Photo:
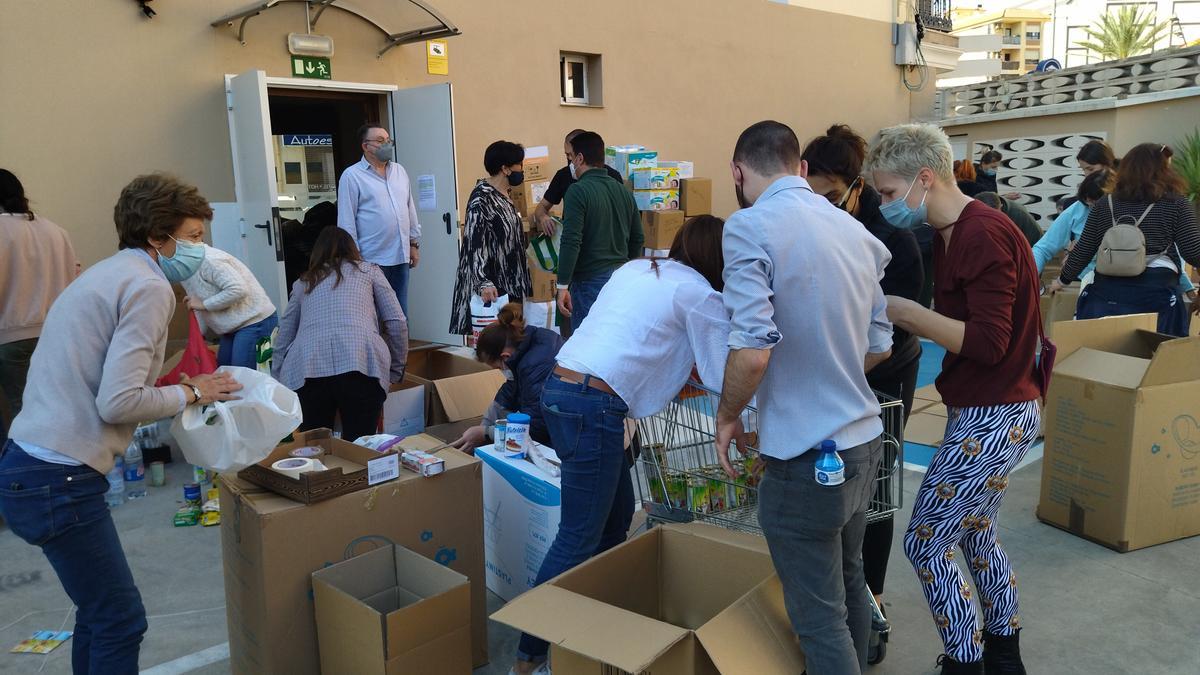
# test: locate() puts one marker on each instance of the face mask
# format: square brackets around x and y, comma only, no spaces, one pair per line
[386,152]
[508,375]
[989,172]
[846,196]
[571,168]
[516,178]
[903,216]
[184,263]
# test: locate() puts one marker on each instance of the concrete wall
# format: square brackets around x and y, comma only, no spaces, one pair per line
[96,94]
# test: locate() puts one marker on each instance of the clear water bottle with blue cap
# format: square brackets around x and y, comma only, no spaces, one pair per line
[830,468]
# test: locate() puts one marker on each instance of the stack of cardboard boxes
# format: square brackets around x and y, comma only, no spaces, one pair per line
[666,192]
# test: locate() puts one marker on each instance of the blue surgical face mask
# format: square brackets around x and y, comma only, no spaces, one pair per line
[989,172]
[184,263]
[903,216]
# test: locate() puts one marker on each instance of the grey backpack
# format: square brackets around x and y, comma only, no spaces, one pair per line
[1123,250]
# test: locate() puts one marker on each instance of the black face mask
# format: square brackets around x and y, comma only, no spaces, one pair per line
[741,197]
[516,178]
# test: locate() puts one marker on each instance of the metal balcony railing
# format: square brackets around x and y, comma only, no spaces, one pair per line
[1010,40]
[1167,70]
[936,14]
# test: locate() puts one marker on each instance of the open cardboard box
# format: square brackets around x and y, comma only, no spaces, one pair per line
[1122,454]
[455,388]
[677,599]
[392,611]
[346,468]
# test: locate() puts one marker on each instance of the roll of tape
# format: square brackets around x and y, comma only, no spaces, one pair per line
[311,452]
[292,467]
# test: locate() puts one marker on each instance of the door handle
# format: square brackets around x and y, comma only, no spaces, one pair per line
[266,226]
[446,219]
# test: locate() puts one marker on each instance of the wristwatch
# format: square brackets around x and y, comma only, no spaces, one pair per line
[195,391]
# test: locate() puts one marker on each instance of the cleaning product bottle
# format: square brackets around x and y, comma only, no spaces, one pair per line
[830,469]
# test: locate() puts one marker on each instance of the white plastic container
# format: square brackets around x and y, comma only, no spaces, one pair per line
[516,435]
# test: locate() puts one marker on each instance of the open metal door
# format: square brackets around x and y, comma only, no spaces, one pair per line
[254,179]
[423,128]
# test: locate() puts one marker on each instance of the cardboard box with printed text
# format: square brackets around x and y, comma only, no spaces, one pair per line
[455,388]
[1122,455]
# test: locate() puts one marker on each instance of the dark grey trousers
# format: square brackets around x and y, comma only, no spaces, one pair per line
[815,534]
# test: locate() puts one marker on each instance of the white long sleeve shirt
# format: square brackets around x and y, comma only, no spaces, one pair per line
[647,330]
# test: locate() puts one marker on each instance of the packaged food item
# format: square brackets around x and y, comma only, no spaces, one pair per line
[378,442]
[698,501]
[210,518]
[191,494]
[499,433]
[718,496]
[516,433]
[422,463]
[187,516]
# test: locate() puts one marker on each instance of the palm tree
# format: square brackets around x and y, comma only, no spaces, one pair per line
[1125,33]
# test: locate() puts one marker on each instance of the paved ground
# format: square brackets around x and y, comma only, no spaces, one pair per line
[1086,609]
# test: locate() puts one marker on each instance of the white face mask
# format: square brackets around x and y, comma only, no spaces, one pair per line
[571,168]
[508,374]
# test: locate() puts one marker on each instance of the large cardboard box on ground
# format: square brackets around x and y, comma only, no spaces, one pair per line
[271,545]
[1122,456]
[675,600]
[391,612]
[522,506]
[455,388]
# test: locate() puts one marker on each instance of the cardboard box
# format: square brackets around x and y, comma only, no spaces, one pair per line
[391,611]
[656,200]
[404,410]
[683,169]
[695,196]
[656,178]
[271,545]
[455,388]
[660,227]
[1122,454]
[528,195]
[1059,307]
[627,158]
[544,285]
[677,599]
[346,468]
[522,506]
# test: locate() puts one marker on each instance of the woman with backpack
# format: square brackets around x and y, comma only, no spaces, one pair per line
[1140,235]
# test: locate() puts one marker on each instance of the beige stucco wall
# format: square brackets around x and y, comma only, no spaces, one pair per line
[1166,121]
[96,94]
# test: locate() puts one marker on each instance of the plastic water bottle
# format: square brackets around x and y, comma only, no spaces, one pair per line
[135,472]
[116,485]
[830,468]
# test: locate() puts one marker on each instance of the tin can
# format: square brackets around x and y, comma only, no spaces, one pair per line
[499,435]
[158,474]
[191,494]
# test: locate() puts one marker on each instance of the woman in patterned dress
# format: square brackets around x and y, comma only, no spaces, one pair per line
[986,294]
[491,256]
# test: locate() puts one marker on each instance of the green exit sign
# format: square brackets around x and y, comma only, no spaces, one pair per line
[314,67]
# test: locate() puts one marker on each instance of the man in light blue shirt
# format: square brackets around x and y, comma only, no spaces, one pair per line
[808,320]
[375,205]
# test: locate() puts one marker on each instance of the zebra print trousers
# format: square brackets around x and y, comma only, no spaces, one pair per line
[957,507]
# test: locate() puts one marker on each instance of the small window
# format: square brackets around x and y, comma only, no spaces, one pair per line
[292,174]
[579,79]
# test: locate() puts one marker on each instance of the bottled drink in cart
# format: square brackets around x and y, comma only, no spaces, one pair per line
[830,468]
[116,484]
[135,472]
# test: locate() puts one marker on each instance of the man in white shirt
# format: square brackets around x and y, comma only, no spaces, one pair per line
[375,205]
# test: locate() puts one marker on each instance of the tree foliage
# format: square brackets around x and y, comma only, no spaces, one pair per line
[1127,32]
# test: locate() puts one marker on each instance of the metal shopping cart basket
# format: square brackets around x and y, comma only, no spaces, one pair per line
[680,480]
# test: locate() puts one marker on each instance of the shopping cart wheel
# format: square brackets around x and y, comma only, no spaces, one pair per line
[877,649]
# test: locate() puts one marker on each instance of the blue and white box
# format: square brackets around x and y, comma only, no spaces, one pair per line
[522,506]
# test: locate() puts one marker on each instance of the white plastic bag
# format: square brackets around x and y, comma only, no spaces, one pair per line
[483,314]
[229,436]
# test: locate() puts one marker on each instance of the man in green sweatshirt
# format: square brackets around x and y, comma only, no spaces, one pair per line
[602,229]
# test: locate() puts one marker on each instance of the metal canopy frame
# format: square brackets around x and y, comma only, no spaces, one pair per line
[440,26]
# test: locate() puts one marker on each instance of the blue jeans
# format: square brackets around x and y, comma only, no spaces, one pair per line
[61,509]
[1155,290]
[584,294]
[397,277]
[240,348]
[588,430]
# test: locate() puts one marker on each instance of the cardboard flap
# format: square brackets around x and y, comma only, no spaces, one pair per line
[722,535]
[754,635]
[1174,361]
[589,627]
[1105,334]
[335,610]
[1117,370]
[469,395]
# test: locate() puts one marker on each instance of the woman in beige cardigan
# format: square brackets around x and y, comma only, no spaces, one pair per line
[91,381]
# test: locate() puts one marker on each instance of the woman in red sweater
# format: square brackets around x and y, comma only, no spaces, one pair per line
[986,294]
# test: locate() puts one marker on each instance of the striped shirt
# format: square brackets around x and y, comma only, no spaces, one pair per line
[1170,229]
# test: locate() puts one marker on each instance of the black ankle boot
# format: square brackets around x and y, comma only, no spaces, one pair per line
[1002,654]
[952,667]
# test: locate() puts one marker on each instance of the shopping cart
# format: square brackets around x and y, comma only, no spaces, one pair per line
[679,478]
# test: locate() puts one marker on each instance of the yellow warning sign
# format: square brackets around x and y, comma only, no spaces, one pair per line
[436,57]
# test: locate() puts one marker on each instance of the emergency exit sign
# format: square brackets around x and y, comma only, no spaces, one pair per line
[313,67]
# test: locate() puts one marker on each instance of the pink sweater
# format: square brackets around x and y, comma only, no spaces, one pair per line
[36,264]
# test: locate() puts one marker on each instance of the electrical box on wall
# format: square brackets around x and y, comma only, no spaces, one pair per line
[907,42]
